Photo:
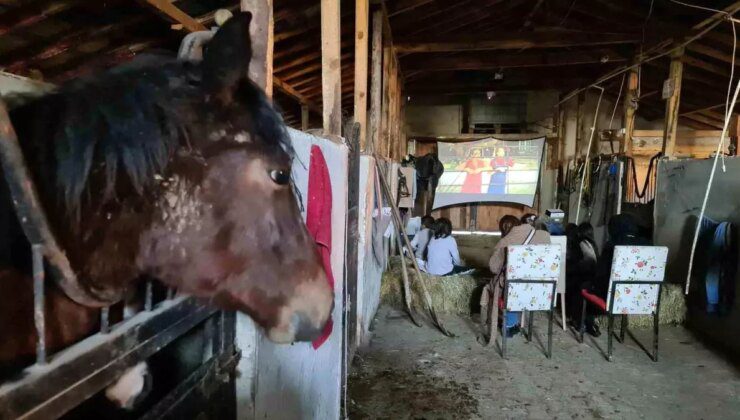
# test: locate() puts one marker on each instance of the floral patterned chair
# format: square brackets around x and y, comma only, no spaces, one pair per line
[635,283]
[532,273]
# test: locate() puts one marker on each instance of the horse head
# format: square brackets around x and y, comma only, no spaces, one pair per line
[179,171]
[227,226]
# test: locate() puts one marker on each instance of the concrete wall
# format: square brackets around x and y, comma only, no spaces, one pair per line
[296,381]
[681,188]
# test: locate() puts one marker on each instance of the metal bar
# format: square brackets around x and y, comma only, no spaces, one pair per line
[39,303]
[105,320]
[148,296]
[209,372]
[582,328]
[85,368]
[530,321]
[610,338]
[623,329]
[504,330]
[549,325]
[656,325]
[33,219]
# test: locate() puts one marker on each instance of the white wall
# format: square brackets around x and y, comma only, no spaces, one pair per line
[369,270]
[296,381]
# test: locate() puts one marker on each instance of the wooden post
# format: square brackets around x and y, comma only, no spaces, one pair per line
[384,123]
[630,97]
[579,123]
[304,117]
[673,93]
[376,83]
[361,43]
[262,32]
[331,67]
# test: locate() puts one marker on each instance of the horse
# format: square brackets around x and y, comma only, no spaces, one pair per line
[165,169]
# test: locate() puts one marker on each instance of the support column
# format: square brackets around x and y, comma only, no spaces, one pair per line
[304,117]
[385,140]
[630,104]
[361,45]
[672,92]
[331,68]
[376,83]
[262,33]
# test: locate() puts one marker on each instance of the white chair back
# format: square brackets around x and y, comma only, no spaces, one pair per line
[636,264]
[537,263]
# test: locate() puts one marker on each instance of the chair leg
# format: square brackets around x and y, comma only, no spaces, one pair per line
[623,329]
[562,309]
[503,333]
[656,327]
[549,335]
[610,339]
[529,325]
[582,328]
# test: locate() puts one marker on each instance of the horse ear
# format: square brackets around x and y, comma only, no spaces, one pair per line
[226,57]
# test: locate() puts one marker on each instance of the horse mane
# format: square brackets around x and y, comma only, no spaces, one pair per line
[128,122]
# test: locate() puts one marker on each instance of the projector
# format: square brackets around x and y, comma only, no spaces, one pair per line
[555,214]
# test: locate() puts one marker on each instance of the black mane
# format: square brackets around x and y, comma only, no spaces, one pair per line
[129,122]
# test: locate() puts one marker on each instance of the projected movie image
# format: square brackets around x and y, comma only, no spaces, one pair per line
[490,170]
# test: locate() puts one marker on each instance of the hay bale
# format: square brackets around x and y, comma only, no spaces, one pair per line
[450,294]
[672,310]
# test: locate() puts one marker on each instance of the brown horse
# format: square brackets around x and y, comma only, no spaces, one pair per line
[178,171]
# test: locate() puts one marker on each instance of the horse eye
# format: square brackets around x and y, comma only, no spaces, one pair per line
[280,177]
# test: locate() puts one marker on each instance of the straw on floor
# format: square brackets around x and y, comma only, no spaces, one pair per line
[450,294]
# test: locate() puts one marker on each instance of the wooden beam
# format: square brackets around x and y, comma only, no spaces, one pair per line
[376,82]
[704,120]
[362,9]
[711,52]
[701,64]
[709,108]
[673,103]
[477,61]
[304,117]
[403,6]
[331,63]
[302,99]
[173,13]
[512,42]
[261,31]
[630,108]
[384,123]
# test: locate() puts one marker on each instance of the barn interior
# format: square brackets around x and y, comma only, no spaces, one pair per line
[634,105]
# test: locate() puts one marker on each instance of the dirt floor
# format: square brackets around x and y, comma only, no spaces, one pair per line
[417,373]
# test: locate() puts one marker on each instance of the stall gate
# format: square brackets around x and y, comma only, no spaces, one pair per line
[189,348]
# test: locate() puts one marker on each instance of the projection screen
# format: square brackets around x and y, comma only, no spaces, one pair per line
[489,170]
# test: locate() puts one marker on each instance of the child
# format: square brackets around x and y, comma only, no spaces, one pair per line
[443,257]
[421,239]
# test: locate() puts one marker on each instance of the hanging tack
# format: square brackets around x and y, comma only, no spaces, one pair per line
[104,320]
[222,15]
[38,302]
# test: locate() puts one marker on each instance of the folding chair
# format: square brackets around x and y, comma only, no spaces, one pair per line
[634,289]
[532,273]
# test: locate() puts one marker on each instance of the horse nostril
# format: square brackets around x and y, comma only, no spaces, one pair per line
[304,328]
